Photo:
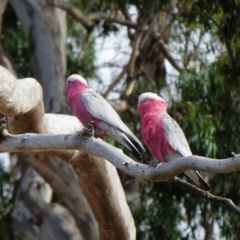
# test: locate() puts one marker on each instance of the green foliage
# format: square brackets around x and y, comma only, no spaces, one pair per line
[144,8]
[80,48]
[6,189]
[210,108]
[209,116]
[159,210]
[15,43]
[208,111]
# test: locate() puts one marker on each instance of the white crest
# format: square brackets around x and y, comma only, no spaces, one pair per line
[148,96]
[76,77]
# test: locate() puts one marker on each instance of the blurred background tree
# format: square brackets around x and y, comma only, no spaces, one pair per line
[186,51]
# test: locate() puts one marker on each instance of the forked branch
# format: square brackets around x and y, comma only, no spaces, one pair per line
[81,141]
[207,195]
[85,141]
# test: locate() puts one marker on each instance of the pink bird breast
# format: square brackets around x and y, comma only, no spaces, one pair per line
[154,106]
[153,133]
[74,89]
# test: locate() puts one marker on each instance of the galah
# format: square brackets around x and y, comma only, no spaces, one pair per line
[163,136]
[89,106]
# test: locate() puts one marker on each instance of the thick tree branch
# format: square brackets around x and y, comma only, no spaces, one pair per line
[102,192]
[62,178]
[46,29]
[33,215]
[166,172]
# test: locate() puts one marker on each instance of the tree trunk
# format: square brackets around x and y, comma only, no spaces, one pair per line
[46,29]
[103,194]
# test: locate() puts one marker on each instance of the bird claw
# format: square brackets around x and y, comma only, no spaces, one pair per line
[233,155]
[88,130]
[3,123]
[140,159]
[156,165]
[3,126]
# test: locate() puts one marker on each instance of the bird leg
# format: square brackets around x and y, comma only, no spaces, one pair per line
[3,126]
[88,130]
[155,165]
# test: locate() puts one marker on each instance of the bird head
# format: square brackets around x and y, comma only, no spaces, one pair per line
[76,83]
[151,102]
[149,96]
[75,78]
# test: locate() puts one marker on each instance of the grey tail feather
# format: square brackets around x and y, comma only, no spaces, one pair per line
[135,145]
[196,177]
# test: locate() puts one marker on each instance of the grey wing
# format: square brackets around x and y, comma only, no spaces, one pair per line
[175,136]
[101,109]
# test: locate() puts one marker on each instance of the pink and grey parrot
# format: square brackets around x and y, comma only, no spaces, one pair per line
[163,136]
[89,106]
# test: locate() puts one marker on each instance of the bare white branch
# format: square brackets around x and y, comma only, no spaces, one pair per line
[166,172]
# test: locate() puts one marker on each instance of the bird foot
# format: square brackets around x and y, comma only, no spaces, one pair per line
[156,165]
[233,155]
[88,130]
[3,126]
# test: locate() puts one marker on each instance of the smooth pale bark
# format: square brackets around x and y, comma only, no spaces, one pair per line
[46,29]
[164,172]
[32,184]
[100,182]
[30,117]
[41,219]
[114,219]
[62,178]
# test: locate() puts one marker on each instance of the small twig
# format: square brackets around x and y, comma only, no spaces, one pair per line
[132,62]
[175,16]
[128,67]
[87,20]
[116,81]
[73,11]
[168,56]
[206,195]
[111,18]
